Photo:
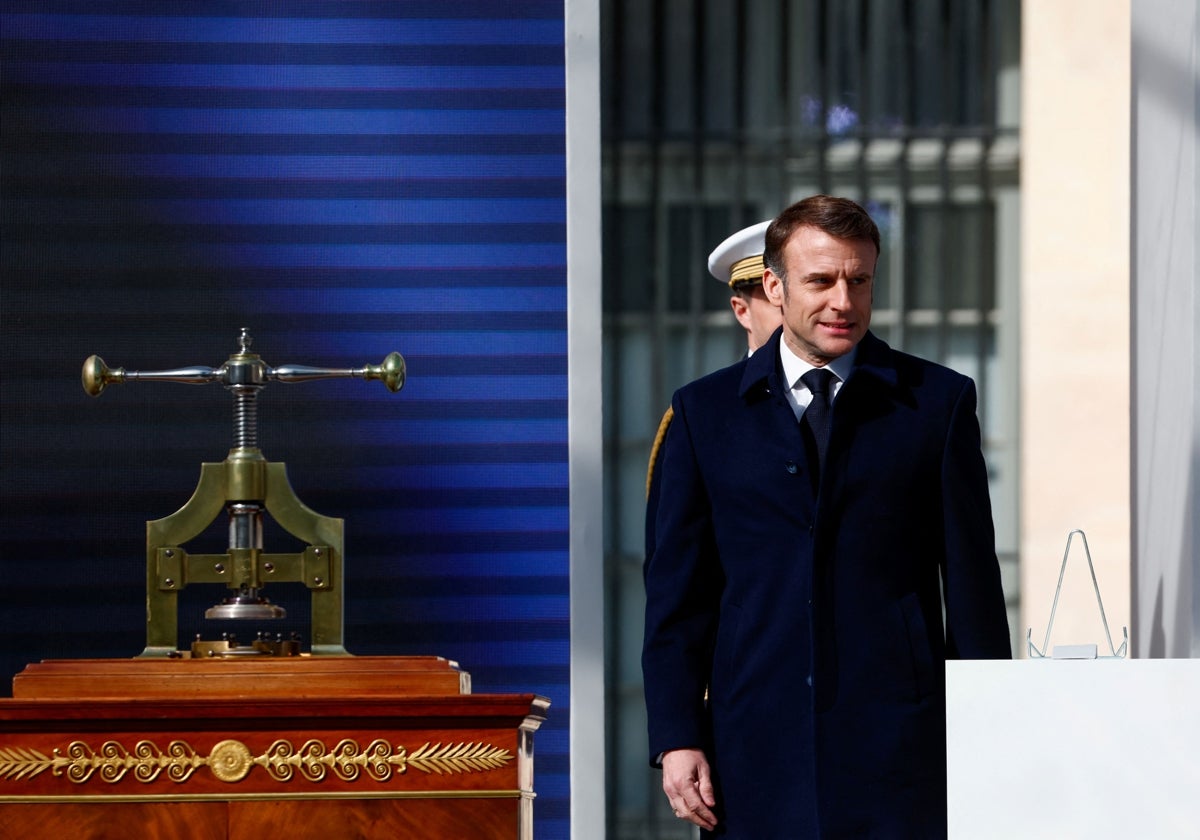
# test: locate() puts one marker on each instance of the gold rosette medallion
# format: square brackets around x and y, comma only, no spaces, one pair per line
[230,761]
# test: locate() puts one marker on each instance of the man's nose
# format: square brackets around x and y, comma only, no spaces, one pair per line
[839,296]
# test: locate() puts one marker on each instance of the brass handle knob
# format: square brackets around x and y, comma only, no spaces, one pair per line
[97,376]
[392,372]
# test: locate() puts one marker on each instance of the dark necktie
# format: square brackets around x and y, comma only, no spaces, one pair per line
[817,413]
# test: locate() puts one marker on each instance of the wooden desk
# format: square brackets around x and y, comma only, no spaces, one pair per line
[320,747]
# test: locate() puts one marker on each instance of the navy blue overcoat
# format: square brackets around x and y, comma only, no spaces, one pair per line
[796,633]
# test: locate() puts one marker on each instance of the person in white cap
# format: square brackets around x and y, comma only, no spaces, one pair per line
[738,261]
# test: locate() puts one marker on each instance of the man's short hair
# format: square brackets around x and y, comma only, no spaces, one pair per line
[839,217]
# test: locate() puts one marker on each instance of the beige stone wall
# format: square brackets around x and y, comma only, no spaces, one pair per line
[1075,314]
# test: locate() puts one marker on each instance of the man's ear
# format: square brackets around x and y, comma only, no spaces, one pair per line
[772,287]
[741,311]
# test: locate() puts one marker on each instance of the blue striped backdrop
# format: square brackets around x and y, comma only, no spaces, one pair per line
[344,179]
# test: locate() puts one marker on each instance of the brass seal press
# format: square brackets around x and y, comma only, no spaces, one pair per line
[245,485]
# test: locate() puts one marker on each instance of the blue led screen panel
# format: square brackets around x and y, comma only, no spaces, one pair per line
[344,180]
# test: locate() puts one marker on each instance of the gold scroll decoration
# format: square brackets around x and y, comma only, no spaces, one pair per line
[231,761]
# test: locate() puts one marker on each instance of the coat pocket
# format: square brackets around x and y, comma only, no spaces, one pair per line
[920,655]
[726,648]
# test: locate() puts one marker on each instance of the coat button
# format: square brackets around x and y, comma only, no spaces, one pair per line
[791,467]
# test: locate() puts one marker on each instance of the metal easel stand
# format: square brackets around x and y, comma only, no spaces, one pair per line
[1077,651]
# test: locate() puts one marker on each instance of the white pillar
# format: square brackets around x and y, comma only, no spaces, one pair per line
[1075,313]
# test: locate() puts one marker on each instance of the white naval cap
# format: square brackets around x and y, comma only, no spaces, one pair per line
[738,260]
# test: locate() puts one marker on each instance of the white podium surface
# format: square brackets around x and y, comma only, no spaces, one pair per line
[1105,748]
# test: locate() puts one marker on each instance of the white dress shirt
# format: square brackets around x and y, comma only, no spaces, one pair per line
[798,394]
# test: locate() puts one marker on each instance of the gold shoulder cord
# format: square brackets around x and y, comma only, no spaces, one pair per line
[659,437]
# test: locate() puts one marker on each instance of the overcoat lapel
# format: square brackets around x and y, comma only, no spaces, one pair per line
[867,393]
[764,394]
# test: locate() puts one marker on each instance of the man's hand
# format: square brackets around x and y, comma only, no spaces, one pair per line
[687,782]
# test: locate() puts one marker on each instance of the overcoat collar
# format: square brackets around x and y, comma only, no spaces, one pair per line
[761,373]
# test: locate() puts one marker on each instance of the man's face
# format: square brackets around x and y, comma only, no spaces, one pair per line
[757,315]
[826,299]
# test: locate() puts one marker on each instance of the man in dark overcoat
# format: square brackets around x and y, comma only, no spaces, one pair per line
[811,532]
